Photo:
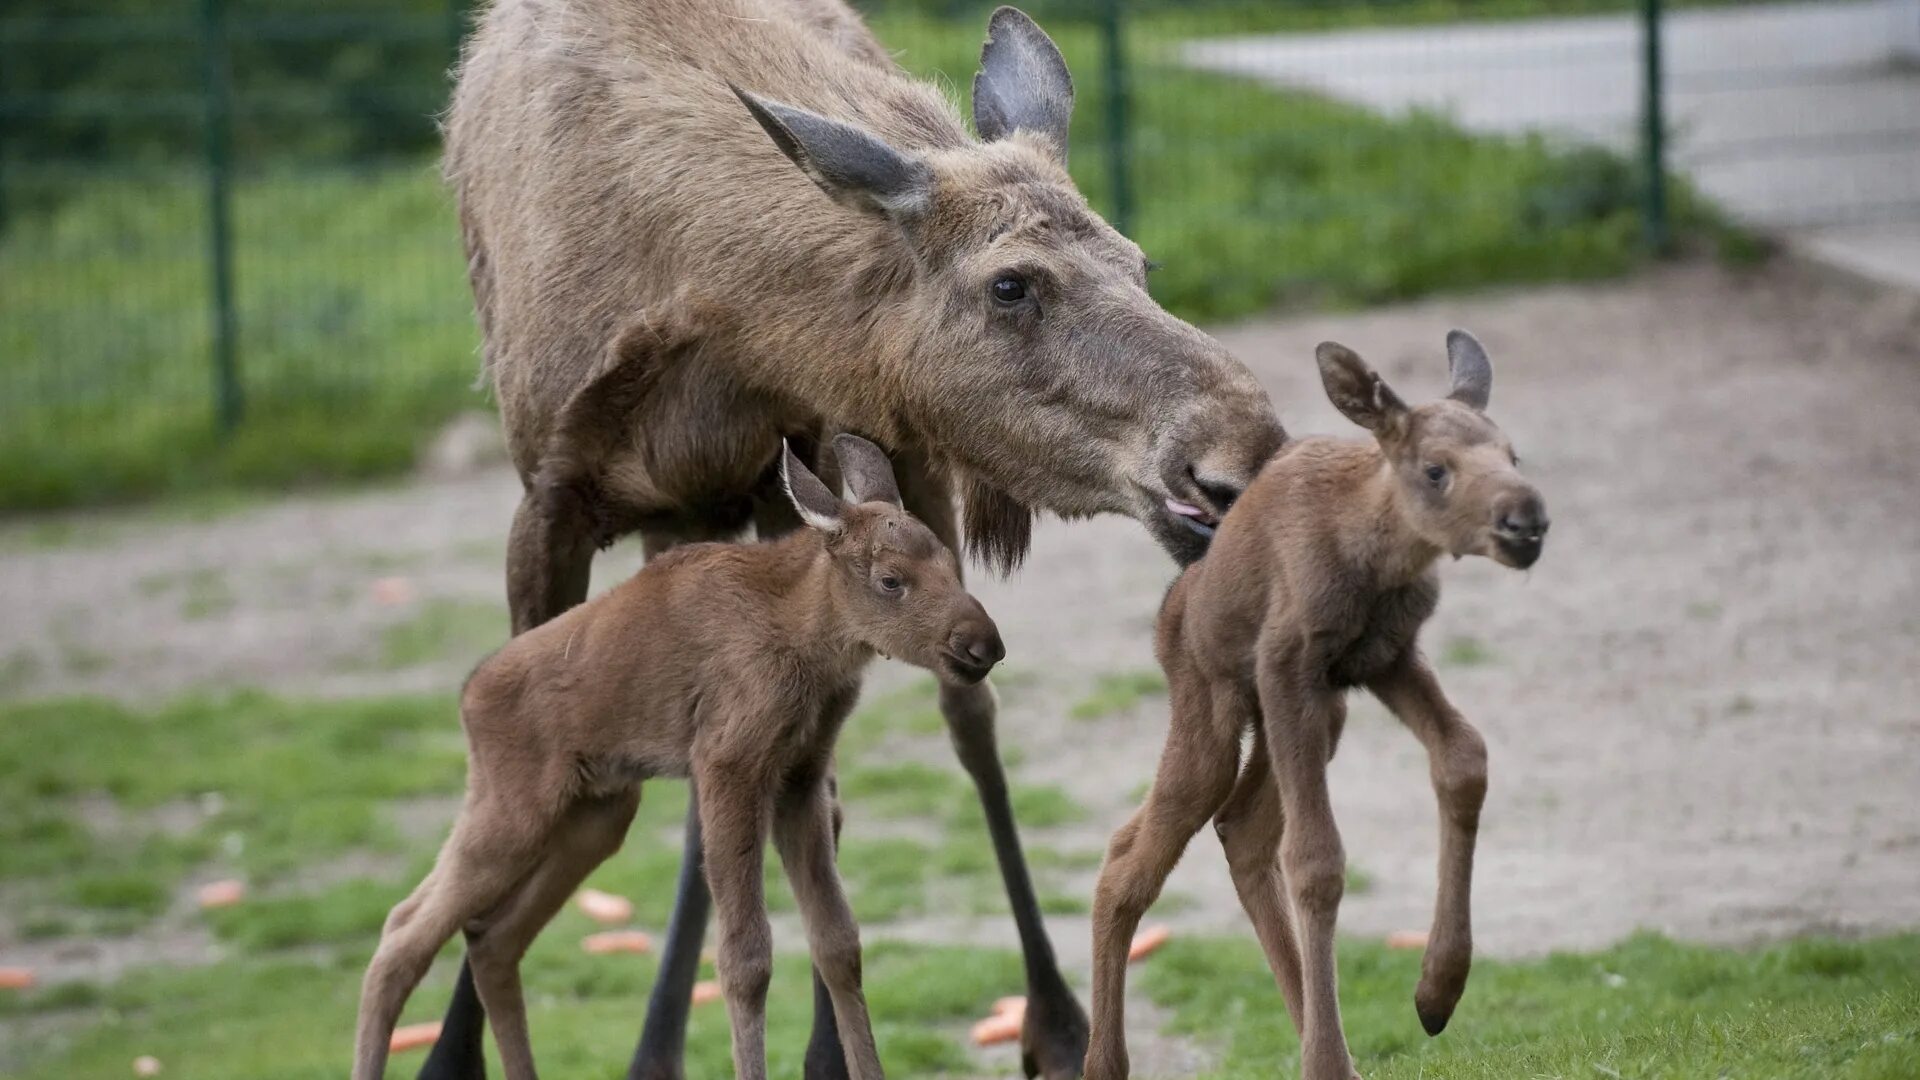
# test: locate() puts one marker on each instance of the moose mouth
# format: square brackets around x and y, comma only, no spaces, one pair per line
[1192,517]
[964,671]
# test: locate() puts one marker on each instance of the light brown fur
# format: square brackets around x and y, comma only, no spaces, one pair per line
[696,227]
[1318,582]
[730,664]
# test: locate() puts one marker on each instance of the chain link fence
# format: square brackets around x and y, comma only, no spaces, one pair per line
[226,256]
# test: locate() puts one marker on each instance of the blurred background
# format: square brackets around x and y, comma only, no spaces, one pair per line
[253,508]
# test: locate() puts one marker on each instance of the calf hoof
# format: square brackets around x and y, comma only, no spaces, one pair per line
[1053,1040]
[1437,995]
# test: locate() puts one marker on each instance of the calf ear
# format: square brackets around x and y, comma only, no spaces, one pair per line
[866,470]
[1358,391]
[849,163]
[1472,371]
[818,507]
[1023,83]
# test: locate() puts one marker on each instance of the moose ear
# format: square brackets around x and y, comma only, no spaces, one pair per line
[1472,371]
[1023,83]
[865,468]
[1360,394]
[849,163]
[818,507]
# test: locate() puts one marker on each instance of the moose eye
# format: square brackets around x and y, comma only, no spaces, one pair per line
[1436,475]
[890,585]
[1008,289]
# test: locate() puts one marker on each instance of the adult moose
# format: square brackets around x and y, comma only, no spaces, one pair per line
[664,296]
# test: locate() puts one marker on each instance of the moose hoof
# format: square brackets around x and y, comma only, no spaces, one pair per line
[1053,1040]
[1434,1018]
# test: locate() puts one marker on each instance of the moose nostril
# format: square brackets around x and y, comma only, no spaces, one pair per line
[1221,493]
[987,650]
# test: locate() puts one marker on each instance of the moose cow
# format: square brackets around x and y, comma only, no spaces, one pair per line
[697,227]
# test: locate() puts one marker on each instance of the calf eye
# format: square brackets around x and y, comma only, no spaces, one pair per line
[890,585]
[1436,475]
[1009,289]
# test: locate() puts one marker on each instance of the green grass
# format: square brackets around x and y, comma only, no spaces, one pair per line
[1464,650]
[108,811]
[1118,693]
[444,630]
[356,343]
[1648,1009]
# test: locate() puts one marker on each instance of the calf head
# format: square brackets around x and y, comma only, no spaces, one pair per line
[1029,354]
[894,583]
[1456,478]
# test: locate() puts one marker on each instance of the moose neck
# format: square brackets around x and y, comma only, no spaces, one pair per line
[1380,531]
[809,608]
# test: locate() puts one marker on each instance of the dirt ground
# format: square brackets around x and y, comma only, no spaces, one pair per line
[1703,705]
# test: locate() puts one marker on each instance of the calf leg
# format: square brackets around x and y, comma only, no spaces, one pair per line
[589,833]
[734,818]
[1457,758]
[1250,826]
[549,560]
[488,855]
[1195,777]
[1299,726]
[804,832]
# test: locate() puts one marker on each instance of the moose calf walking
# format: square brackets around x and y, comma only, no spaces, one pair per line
[731,664]
[1319,581]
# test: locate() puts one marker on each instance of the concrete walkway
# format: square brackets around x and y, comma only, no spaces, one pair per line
[1800,117]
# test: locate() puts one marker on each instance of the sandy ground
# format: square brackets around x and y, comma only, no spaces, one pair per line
[1703,705]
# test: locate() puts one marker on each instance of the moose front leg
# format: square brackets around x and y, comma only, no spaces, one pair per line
[1054,1039]
[1457,758]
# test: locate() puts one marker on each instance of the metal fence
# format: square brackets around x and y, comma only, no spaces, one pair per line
[225,254]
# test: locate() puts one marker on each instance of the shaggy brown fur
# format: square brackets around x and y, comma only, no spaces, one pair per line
[731,664]
[695,227]
[1319,582]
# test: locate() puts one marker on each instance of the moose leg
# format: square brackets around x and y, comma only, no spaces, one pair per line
[735,816]
[490,852]
[1054,1041]
[805,832]
[590,832]
[1457,757]
[1195,777]
[1300,725]
[1250,826]
[663,1039]
[549,559]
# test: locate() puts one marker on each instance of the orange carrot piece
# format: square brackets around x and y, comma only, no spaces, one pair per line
[706,992]
[616,941]
[414,1037]
[219,894]
[16,978]
[605,908]
[1407,939]
[1146,941]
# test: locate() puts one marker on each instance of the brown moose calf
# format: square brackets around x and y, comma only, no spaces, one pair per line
[730,664]
[1317,582]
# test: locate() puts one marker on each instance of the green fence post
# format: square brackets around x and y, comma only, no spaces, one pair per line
[1119,160]
[218,122]
[1654,131]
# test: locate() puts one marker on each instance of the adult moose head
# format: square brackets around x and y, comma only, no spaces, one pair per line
[695,229]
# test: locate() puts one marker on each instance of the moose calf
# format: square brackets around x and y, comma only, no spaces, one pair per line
[731,664]
[1318,581]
